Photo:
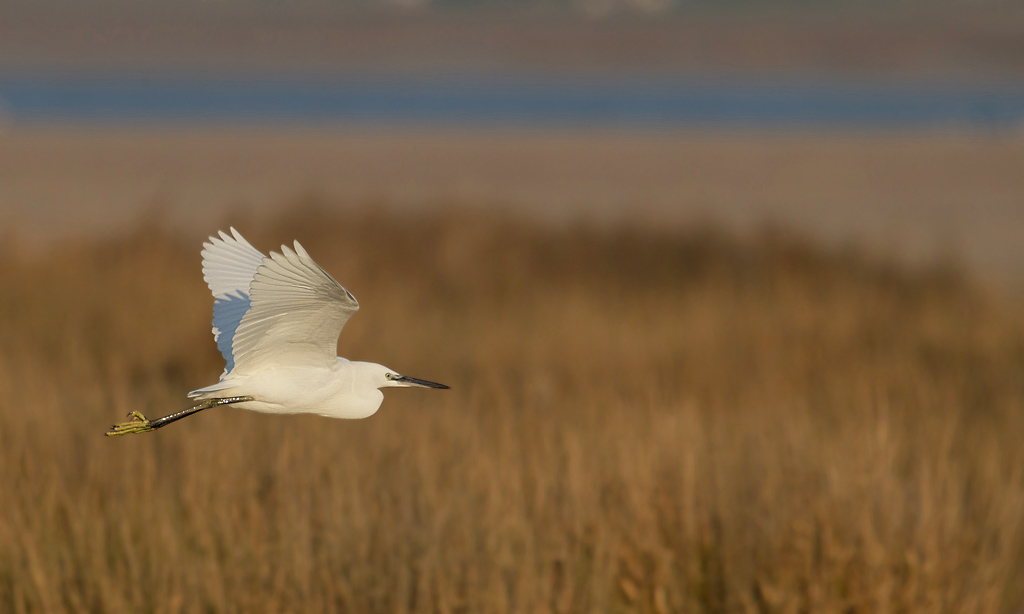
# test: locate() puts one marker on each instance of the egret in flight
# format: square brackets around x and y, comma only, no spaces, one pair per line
[276,320]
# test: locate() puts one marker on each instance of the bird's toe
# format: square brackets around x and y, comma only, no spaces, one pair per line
[137,423]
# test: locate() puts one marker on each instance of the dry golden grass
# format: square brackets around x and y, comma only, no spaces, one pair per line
[638,423]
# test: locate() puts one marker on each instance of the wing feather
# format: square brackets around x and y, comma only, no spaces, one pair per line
[229,264]
[295,315]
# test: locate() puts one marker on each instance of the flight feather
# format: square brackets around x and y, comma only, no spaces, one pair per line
[295,315]
[229,264]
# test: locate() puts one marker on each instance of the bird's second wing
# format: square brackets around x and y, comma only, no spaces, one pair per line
[229,264]
[295,315]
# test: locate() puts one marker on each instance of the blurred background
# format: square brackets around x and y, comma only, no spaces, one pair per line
[727,293]
[895,124]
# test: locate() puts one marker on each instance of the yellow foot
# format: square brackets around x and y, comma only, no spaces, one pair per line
[137,424]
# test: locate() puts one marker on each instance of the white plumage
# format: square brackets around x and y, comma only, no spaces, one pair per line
[229,264]
[281,310]
[276,321]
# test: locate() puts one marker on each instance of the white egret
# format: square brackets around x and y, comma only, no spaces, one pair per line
[276,320]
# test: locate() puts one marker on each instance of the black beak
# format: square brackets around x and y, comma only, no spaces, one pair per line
[412,381]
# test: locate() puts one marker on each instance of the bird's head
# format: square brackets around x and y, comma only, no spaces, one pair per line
[389,378]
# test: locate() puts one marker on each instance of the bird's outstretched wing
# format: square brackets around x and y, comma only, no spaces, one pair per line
[295,315]
[229,264]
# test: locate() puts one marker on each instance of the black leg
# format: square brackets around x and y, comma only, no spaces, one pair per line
[139,423]
[207,404]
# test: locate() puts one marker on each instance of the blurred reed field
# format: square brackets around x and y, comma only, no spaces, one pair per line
[639,421]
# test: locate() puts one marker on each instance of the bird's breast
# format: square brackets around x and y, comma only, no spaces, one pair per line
[327,392]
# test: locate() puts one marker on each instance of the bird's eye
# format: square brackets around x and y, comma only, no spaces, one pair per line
[387,376]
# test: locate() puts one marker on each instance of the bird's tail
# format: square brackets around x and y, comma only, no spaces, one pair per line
[210,392]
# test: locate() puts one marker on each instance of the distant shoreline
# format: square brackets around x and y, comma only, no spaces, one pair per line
[455,99]
[951,41]
[917,196]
